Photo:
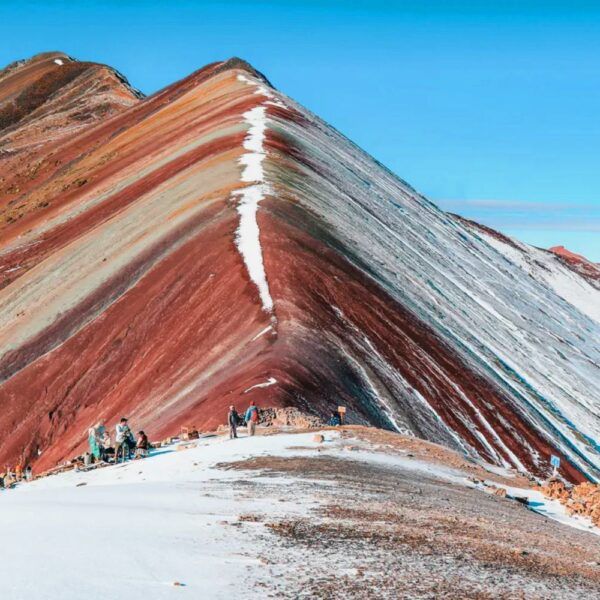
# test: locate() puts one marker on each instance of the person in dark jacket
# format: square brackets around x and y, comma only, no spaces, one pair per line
[251,417]
[334,420]
[233,419]
[142,445]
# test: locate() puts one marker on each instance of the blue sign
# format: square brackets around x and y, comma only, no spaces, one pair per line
[555,461]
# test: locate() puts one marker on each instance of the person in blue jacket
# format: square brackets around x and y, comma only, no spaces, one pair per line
[251,418]
[334,420]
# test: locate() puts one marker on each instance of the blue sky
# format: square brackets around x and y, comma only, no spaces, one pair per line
[491,109]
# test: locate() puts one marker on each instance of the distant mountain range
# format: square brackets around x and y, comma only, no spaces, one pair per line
[216,243]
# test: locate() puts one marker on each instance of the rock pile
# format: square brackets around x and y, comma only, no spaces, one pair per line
[582,499]
[288,417]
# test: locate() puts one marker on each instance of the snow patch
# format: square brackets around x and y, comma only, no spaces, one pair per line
[262,332]
[247,237]
[271,381]
[58,61]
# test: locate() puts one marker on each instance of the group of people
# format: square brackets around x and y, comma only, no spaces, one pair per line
[10,476]
[125,444]
[250,419]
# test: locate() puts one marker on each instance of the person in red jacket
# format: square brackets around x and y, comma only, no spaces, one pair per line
[251,418]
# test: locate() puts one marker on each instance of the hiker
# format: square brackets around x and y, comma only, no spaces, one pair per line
[18,472]
[93,442]
[233,419]
[100,432]
[142,445]
[122,438]
[106,447]
[131,444]
[334,420]
[28,473]
[251,418]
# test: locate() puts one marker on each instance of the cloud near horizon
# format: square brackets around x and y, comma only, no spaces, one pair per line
[528,215]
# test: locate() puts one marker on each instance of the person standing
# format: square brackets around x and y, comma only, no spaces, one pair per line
[334,420]
[93,442]
[233,420]
[251,418]
[122,434]
[28,473]
[106,447]
[100,433]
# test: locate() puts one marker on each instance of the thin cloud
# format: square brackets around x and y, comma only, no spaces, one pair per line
[510,214]
[513,205]
[546,225]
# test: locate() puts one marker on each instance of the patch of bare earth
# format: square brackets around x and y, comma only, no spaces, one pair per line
[386,532]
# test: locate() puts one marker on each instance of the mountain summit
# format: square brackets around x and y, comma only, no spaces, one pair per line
[216,243]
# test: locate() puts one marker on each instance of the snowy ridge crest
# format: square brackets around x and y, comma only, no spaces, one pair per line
[248,232]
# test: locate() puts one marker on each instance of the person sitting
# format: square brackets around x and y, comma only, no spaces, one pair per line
[334,420]
[107,447]
[142,445]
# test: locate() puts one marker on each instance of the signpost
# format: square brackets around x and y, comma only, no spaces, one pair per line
[555,462]
[342,413]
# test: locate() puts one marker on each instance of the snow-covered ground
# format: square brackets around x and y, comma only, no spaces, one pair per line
[165,527]
[134,531]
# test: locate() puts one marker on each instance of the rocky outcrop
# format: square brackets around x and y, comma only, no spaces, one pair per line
[579,264]
[582,499]
[216,243]
[288,417]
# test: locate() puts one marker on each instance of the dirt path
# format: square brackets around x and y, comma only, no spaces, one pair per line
[378,531]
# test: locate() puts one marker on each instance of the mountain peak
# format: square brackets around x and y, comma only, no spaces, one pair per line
[562,251]
[216,243]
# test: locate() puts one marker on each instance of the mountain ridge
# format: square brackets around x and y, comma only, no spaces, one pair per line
[216,236]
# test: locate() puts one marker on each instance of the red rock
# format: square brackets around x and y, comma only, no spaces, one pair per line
[578,263]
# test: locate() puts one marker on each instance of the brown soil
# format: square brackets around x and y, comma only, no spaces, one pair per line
[383,532]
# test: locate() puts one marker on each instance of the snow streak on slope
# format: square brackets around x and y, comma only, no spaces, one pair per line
[248,234]
[547,268]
